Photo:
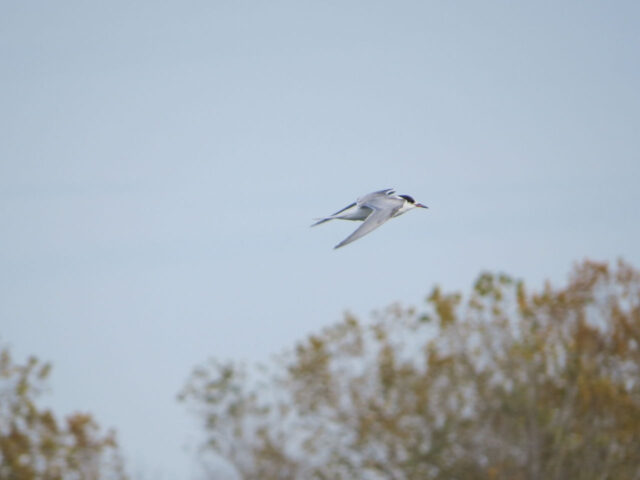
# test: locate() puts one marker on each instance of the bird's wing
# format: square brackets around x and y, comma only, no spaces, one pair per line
[379,194]
[377,217]
[383,202]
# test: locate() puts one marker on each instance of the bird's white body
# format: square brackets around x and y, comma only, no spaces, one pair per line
[373,210]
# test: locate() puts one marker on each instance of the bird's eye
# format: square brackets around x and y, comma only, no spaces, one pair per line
[408,198]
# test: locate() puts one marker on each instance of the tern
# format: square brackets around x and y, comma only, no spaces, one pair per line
[373,210]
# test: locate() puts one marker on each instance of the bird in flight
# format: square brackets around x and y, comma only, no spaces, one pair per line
[373,210]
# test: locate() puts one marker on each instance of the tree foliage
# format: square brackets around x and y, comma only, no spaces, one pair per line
[35,445]
[502,383]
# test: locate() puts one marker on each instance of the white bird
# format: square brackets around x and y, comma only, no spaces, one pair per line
[373,209]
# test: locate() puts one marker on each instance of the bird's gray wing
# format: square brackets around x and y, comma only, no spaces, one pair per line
[377,217]
[364,199]
[382,202]
[379,194]
[386,191]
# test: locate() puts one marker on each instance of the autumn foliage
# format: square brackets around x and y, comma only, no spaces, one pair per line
[35,445]
[501,383]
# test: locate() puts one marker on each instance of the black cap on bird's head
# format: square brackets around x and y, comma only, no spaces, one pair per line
[410,199]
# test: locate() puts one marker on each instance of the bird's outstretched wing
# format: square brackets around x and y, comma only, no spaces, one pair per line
[379,194]
[379,215]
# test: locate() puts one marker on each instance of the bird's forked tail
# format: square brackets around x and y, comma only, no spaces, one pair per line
[321,220]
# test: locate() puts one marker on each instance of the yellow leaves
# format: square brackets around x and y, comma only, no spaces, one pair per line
[521,298]
[312,357]
[49,421]
[49,446]
[5,363]
[492,285]
[44,371]
[493,473]
[346,336]
[32,443]
[513,384]
[317,344]
[79,426]
[585,279]
[445,306]
[312,374]
[386,367]
[380,332]
[23,387]
[600,395]
[484,284]
[437,361]
[587,339]
[19,440]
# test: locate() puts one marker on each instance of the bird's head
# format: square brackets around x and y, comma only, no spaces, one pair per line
[410,202]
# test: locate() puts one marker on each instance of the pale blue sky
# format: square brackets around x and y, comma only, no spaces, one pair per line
[160,163]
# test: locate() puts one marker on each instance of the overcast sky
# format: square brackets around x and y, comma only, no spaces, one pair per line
[161,162]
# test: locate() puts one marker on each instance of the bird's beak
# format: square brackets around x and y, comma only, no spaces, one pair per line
[421,205]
